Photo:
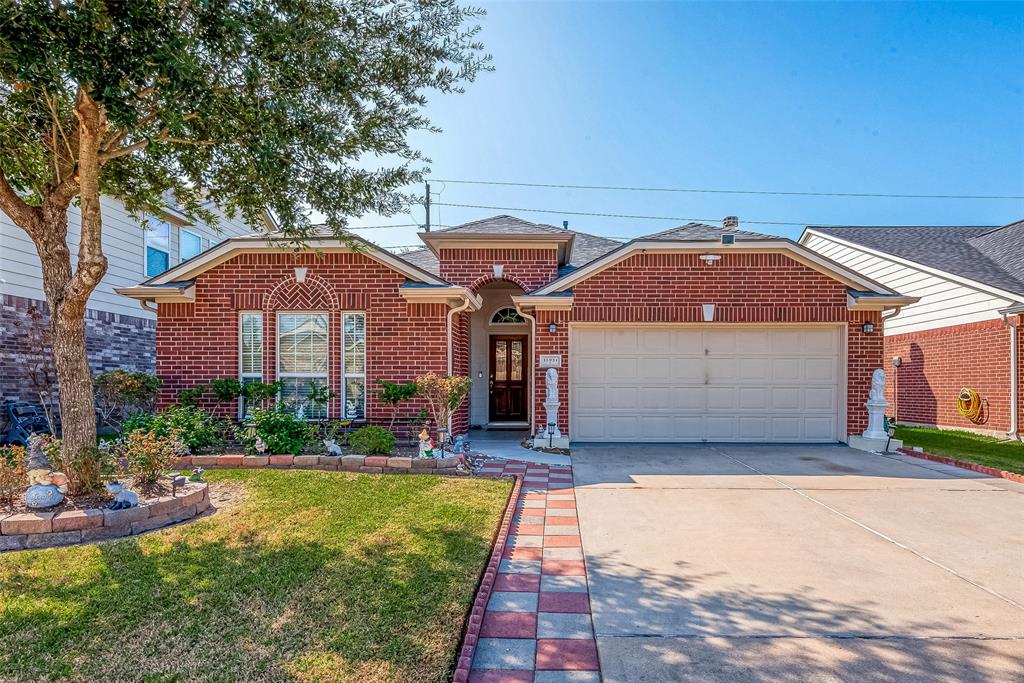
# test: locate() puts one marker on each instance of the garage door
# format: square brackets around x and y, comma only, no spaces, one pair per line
[663,384]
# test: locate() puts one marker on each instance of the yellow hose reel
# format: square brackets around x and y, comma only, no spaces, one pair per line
[968,404]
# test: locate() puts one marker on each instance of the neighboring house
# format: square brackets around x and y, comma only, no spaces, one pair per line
[699,333]
[966,329]
[119,333]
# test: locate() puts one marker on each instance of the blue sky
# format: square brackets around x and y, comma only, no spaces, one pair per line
[894,98]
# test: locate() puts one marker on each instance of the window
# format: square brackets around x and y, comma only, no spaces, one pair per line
[158,250]
[250,352]
[354,368]
[189,244]
[302,361]
[507,316]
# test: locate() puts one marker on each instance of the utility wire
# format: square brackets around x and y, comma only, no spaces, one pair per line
[624,215]
[713,191]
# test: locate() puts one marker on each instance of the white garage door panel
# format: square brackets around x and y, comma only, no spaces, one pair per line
[692,384]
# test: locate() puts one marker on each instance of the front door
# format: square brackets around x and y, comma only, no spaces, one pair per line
[508,378]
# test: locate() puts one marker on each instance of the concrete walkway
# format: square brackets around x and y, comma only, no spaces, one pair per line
[792,563]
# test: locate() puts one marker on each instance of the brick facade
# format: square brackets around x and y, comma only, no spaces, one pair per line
[198,342]
[938,363]
[112,340]
[474,268]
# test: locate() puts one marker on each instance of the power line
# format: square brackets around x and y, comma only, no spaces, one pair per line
[625,215]
[715,191]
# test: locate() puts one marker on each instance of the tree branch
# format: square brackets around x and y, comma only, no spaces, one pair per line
[24,216]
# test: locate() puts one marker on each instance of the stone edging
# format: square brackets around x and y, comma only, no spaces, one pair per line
[471,633]
[371,464]
[973,466]
[28,530]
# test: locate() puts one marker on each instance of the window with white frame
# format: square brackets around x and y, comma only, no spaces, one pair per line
[158,246]
[250,352]
[189,244]
[354,366]
[302,361]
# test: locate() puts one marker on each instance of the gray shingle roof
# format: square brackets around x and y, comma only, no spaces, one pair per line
[702,232]
[991,255]
[585,247]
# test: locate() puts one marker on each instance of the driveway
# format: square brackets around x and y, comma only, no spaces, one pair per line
[799,563]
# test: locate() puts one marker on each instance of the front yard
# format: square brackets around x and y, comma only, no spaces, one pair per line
[313,576]
[984,450]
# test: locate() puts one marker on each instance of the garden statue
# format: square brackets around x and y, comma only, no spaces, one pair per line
[260,445]
[197,474]
[123,498]
[876,405]
[426,445]
[46,488]
[332,447]
[551,386]
[551,403]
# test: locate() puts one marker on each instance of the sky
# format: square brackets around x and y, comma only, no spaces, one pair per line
[896,98]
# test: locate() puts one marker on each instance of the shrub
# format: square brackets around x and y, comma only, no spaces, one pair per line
[282,432]
[225,389]
[444,395]
[197,429]
[392,394]
[190,397]
[84,469]
[145,456]
[371,440]
[12,472]
[120,394]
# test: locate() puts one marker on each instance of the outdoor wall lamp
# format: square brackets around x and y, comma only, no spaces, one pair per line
[552,328]
[869,327]
[300,274]
[707,312]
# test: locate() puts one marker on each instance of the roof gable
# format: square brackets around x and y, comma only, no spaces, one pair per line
[702,232]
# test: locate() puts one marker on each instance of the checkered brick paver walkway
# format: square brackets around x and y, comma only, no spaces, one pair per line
[537,626]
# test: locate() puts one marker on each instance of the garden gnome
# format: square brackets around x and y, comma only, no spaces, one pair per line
[46,488]
[426,445]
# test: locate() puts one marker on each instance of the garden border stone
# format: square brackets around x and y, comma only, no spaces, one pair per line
[367,464]
[29,530]
[973,466]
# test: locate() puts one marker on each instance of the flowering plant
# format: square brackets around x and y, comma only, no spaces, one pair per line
[146,456]
[444,395]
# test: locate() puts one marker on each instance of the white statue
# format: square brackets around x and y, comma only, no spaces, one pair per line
[123,498]
[332,447]
[551,386]
[876,405]
[877,385]
[260,445]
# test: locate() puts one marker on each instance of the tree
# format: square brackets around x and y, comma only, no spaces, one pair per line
[287,106]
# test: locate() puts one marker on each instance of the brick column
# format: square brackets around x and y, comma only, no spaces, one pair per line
[545,343]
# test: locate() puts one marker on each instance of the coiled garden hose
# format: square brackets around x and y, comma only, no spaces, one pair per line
[968,403]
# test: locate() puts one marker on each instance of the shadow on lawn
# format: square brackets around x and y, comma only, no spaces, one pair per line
[198,609]
[693,632]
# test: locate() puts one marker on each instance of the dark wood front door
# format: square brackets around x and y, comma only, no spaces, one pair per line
[508,378]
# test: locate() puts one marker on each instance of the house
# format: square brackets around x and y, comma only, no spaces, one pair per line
[963,333]
[119,333]
[700,333]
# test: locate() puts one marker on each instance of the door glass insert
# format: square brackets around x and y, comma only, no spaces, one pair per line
[500,361]
[517,360]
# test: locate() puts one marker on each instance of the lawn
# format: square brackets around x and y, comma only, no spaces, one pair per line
[314,576]
[984,450]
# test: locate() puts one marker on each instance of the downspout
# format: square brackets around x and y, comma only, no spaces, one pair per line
[146,306]
[451,349]
[533,355]
[1014,376]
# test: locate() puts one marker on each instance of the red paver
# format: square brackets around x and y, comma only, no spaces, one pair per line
[509,625]
[560,654]
[564,601]
[553,489]
[517,582]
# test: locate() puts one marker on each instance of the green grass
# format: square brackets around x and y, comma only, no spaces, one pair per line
[316,576]
[984,450]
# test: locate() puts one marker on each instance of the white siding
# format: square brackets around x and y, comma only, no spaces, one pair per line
[122,244]
[944,300]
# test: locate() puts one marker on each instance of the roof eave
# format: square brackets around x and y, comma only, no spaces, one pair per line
[184,294]
[562,241]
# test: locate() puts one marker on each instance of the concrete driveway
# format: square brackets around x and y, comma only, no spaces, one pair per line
[799,563]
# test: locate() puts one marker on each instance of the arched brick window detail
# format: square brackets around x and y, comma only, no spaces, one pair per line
[488,279]
[312,294]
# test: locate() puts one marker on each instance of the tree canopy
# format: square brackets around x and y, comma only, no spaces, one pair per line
[286,105]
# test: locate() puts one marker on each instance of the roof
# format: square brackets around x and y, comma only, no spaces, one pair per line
[702,232]
[585,247]
[990,255]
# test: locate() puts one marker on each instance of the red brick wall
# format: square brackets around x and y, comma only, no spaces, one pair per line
[766,288]
[473,268]
[199,342]
[938,362]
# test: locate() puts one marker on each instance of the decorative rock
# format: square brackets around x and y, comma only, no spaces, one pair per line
[376,461]
[400,462]
[76,520]
[255,461]
[27,523]
[40,496]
